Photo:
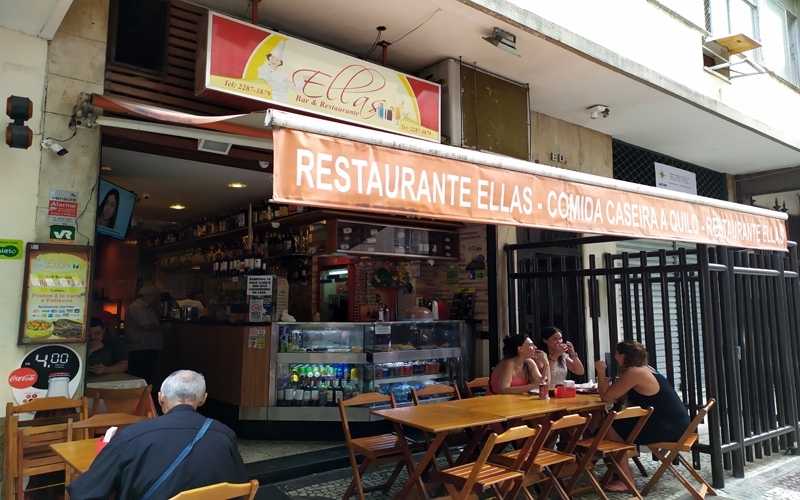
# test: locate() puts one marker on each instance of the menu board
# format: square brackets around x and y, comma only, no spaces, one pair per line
[55,299]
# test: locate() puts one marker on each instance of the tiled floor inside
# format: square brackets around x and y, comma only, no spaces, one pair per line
[256,451]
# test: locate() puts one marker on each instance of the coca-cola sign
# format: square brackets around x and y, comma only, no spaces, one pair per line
[22,378]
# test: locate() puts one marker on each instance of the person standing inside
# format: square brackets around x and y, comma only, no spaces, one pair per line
[138,456]
[561,355]
[144,333]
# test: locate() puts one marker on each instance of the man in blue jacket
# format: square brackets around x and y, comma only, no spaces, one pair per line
[137,456]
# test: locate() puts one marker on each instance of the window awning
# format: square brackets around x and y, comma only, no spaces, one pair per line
[332,165]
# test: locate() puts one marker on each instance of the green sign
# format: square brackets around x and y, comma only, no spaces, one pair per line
[451,275]
[62,234]
[10,249]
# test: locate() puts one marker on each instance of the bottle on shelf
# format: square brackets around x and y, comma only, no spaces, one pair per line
[337,392]
[329,398]
[314,392]
[281,390]
[299,392]
[307,392]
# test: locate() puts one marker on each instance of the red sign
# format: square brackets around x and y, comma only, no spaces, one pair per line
[62,208]
[22,378]
[239,60]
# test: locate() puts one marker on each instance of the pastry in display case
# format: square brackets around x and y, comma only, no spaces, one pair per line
[412,335]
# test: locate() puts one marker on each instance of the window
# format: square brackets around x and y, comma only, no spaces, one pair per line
[779,41]
[728,17]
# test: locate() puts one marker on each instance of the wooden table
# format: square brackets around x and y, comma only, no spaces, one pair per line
[437,419]
[77,455]
[509,406]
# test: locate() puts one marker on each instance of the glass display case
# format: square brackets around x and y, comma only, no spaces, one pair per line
[316,364]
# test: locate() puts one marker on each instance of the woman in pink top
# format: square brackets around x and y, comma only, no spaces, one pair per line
[522,368]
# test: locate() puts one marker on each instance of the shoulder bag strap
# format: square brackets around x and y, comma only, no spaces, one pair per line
[178,460]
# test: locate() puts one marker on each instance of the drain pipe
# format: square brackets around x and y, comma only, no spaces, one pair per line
[255,10]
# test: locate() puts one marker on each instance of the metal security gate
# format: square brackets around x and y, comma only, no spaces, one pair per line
[730,330]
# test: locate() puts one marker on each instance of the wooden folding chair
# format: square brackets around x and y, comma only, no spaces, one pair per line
[611,452]
[547,463]
[478,383]
[221,491]
[19,449]
[120,400]
[101,420]
[453,438]
[667,452]
[375,449]
[482,475]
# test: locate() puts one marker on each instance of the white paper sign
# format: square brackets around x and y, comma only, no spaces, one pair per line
[256,310]
[259,285]
[675,179]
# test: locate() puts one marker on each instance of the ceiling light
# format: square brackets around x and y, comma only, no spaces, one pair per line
[177,206]
[504,40]
[210,146]
[237,185]
[107,169]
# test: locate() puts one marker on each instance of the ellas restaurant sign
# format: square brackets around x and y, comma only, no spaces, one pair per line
[241,60]
[337,173]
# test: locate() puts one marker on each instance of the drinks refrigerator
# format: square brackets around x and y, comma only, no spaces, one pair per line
[315,364]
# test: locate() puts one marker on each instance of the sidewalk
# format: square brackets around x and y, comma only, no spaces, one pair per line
[774,477]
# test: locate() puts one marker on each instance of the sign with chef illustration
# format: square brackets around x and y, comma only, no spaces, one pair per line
[247,61]
[55,298]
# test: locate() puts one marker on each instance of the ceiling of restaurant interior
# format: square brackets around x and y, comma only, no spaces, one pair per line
[201,187]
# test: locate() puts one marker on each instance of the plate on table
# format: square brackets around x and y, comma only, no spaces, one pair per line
[587,388]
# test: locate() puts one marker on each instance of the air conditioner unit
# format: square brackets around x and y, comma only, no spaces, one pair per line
[482,111]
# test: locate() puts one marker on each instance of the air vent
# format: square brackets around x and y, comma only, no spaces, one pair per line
[138,34]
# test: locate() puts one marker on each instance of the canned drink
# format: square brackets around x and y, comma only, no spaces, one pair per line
[543,391]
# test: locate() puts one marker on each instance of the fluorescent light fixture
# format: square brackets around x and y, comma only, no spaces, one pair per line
[209,146]
[107,169]
[503,40]
[337,272]
[237,185]
[177,206]
[192,133]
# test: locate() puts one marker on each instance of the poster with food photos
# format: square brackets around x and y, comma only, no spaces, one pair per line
[55,297]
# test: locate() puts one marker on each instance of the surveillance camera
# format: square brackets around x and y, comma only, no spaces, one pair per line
[430,262]
[146,196]
[55,147]
[263,164]
[597,110]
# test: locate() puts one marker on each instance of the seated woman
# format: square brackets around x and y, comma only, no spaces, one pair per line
[107,352]
[561,355]
[644,387]
[522,368]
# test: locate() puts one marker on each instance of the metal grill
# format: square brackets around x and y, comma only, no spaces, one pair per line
[635,164]
[734,335]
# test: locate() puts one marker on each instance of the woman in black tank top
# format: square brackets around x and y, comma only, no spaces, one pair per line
[643,386]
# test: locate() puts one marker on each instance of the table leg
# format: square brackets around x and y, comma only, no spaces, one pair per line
[415,475]
[67,479]
[472,445]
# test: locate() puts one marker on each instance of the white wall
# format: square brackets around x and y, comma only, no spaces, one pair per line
[667,36]
[23,64]
[52,75]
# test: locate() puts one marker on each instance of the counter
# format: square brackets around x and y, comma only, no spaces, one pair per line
[236,372]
